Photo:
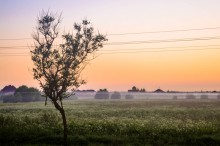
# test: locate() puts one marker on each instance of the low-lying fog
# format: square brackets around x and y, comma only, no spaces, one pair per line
[135,95]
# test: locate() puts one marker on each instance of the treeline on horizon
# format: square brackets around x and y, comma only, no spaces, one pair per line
[104,94]
[31,94]
[23,94]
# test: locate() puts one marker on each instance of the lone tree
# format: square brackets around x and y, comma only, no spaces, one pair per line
[58,67]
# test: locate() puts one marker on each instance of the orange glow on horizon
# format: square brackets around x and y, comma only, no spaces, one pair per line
[187,70]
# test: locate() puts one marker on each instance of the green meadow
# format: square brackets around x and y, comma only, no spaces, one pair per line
[113,122]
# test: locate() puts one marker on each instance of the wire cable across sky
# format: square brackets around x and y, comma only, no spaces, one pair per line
[124,52]
[133,33]
[132,50]
[139,42]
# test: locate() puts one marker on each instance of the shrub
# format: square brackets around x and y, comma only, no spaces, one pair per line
[23,94]
[129,96]
[28,94]
[174,97]
[102,94]
[10,98]
[204,96]
[190,96]
[116,95]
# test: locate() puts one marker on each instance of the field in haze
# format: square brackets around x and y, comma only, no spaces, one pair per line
[150,95]
[113,122]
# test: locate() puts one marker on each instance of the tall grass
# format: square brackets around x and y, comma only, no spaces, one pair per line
[168,122]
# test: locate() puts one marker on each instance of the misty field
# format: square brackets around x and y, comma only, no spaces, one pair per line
[123,122]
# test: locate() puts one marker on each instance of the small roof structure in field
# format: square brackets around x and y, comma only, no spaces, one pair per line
[158,91]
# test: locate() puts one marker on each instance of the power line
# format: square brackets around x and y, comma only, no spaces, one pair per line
[166,31]
[134,49]
[173,50]
[163,41]
[135,33]
[135,42]
[16,47]
[20,47]
[162,51]
[137,49]
[153,48]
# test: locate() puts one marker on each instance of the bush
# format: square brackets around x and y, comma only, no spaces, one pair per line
[38,98]
[204,96]
[7,98]
[116,95]
[23,94]
[129,96]
[175,97]
[11,98]
[190,96]
[102,94]
[28,94]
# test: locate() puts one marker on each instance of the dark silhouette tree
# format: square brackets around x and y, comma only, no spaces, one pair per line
[58,68]
[142,90]
[134,88]
[24,94]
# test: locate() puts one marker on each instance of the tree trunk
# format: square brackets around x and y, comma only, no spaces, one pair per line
[62,112]
[64,126]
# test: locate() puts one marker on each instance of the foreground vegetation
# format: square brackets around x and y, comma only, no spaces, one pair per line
[140,122]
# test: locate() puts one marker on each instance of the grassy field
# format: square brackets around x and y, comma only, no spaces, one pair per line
[134,122]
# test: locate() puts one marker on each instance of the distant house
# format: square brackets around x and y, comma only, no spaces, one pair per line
[158,91]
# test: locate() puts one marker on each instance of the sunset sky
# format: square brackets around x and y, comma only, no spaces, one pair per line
[186,60]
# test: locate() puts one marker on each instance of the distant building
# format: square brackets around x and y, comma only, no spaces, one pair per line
[158,91]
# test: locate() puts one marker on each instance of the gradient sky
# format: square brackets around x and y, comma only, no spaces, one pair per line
[174,70]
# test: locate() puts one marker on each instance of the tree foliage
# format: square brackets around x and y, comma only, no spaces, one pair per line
[23,94]
[58,68]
